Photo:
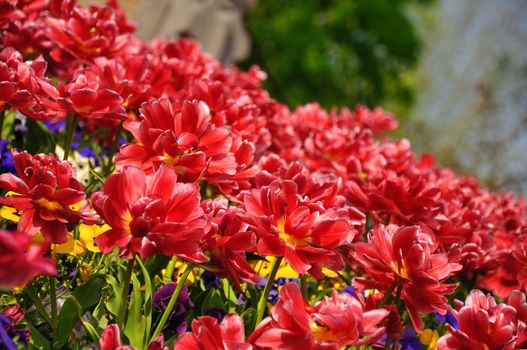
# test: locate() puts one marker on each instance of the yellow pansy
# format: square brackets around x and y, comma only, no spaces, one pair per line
[85,271]
[263,268]
[429,337]
[179,268]
[88,233]
[85,242]
[71,247]
[10,214]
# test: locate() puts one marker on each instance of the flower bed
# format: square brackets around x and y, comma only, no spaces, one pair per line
[154,198]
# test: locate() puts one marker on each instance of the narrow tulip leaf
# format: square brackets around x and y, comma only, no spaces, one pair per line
[149,292]
[87,296]
[38,138]
[114,301]
[37,340]
[228,292]
[213,300]
[89,328]
[248,317]
[135,324]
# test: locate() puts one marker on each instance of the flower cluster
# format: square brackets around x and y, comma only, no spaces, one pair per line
[200,186]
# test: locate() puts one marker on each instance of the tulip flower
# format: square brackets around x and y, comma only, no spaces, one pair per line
[21,260]
[406,258]
[47,193]
[150,214]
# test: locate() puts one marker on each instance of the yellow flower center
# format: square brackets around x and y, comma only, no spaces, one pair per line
[50,205]
[286,237]
[322,332]
[128,219]
[84,109]
[400,270]
[171,160]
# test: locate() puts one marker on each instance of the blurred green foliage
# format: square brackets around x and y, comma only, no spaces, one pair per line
[336,52]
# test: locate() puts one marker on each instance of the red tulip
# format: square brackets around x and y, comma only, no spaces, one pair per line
[228,241]
[305,233]
[333,323]
[483,324]
[21,260]
[407,257]
[84,96]
[15,76]
[86,33]
[111,339]
[150,214]
[208,334]
[187,141]
[44,192]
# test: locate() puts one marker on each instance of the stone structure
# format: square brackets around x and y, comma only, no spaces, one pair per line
[471,107]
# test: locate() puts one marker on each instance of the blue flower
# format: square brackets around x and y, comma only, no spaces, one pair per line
[350,290]
[210,280]
[410,341]
[448,318]
[5,338]
[6,158]
[177,321]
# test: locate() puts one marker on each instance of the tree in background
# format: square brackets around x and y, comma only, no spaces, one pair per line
[338,52]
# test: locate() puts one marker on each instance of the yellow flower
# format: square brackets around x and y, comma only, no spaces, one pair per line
[85,242]
[85,271]
[10,214]
[429,337]
[263,268]
[179,268]
[329,273]
[88,233]
[71,247]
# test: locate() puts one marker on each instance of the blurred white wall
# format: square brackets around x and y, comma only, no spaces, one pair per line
[471,107]
[218,25]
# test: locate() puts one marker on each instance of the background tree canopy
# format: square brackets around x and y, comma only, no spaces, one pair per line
[336,52]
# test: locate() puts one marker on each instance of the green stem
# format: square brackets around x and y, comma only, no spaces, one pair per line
[367,226]
[124,297]
[262,303]
[2,118]
[172,301]
[303,286]
[387,295]
[344,278]
[70,131]
[387,343]
[54,311]
[79,266]
[170,270]
[33,295]
[397,302]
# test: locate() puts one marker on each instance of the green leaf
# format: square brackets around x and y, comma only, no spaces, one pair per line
[99,315]
[149,292]
[37,340]
[114,301]
[248,317]
[38,138]
[213,300]
[86,296]
[135,325]
[89,328]
[228,291]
